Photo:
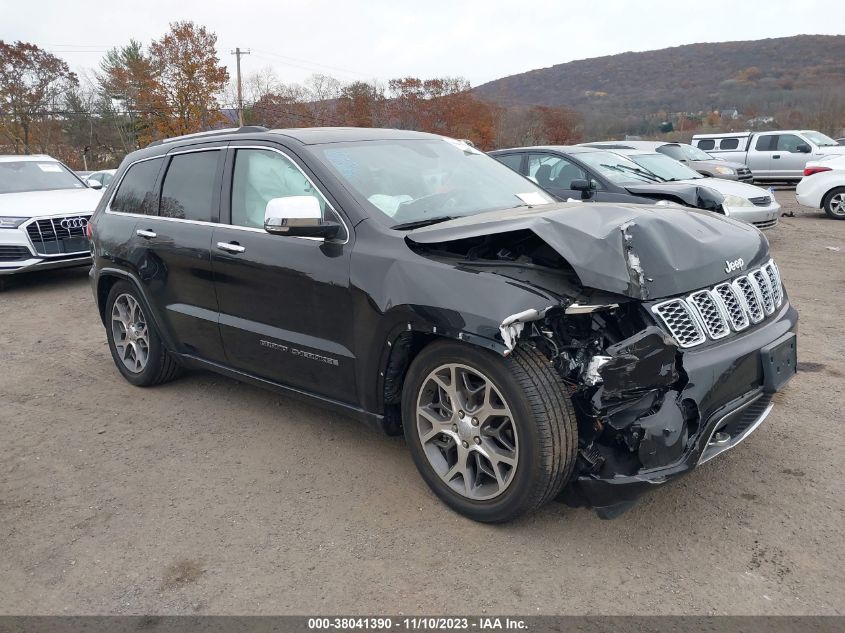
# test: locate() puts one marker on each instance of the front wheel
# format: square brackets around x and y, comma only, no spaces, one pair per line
[834,204]
[493,437]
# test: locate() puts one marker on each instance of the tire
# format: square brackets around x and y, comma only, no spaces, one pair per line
[834,203]
[542,420]
[159,365]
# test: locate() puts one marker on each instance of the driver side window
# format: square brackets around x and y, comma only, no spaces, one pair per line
[549,170]
[261,175]
[788,143]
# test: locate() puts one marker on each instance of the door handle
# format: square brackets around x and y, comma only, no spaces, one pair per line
[147,234]
[230,247]
[776,156]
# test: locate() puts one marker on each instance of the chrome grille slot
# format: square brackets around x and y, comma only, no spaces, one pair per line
[679,320]
[750,297]
[761,201]
[733,306]
[730,306]
[759,278]
[773,274]
[59,236]
[714,320]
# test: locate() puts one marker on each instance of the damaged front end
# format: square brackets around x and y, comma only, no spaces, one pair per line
[626,379]
[650,406]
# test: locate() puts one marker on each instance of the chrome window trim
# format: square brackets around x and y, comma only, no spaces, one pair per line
[108,209]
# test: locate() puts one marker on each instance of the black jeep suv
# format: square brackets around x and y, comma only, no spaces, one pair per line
[528,349]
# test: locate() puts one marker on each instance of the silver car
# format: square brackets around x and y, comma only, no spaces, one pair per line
[744,202]
[696,159]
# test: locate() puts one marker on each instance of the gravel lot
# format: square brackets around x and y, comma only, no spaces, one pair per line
[209,496]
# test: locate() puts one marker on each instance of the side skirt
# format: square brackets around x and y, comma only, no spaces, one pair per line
[373,420]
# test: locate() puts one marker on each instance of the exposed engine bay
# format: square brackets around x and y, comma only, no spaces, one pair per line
[623,372]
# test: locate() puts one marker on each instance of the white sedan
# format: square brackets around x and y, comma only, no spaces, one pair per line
[823,186]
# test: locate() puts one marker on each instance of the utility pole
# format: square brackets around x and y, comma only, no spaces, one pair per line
[237,53]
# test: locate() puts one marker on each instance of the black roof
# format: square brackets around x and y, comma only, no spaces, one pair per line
[315,135]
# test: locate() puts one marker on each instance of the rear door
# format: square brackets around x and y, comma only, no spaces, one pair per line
[285,302]
[172,249]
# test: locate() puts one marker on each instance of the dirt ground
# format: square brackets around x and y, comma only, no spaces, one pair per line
[209,496]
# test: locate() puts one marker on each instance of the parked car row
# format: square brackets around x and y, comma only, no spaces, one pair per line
[607,173]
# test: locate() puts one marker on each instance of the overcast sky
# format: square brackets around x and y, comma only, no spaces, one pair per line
[380,39]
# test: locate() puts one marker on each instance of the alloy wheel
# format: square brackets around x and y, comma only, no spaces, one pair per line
[837,204]
[467,431]
[130,334]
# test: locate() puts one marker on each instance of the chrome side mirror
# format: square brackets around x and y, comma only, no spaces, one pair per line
[299,216]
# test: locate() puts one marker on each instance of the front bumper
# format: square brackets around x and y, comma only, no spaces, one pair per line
[727,386]
[761,217]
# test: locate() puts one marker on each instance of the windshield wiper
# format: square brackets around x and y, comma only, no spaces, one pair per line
[406,226]
[640,172]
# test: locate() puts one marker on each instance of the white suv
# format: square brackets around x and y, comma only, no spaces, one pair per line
[44,211]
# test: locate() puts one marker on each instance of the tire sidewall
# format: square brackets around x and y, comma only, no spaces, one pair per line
[150,372]
[519,493]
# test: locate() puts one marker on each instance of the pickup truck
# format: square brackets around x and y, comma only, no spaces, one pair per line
[779,155]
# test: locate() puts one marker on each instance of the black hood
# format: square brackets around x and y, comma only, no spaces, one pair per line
[640,251]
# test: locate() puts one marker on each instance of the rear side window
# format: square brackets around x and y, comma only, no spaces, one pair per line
[729,143]
[706,143]
[764,143]
[514,161]
[136,193]
[189,185]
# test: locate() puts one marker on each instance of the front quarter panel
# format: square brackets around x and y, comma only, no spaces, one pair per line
[395,290]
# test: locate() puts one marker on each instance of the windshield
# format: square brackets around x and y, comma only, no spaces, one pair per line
[36,175]
[413,181]
[665,167]
[617,169]
[682,151]
[820,139]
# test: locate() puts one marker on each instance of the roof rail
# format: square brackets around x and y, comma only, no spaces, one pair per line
[228,130]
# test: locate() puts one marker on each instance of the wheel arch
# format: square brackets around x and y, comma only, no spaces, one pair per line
[107,278]
[827,195]
[402,345]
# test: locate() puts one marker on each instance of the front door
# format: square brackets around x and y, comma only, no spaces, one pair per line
[285,302]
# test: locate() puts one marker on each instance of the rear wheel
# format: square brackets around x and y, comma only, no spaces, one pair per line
[834,203]
[493,437]
[135,344]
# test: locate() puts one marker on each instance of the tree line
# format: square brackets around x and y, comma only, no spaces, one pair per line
[177,85]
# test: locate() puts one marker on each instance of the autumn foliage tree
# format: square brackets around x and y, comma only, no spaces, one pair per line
[33,83]
[186,79]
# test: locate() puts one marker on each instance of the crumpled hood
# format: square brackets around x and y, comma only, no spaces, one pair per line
[640,251]
[28,204]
